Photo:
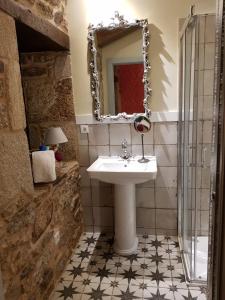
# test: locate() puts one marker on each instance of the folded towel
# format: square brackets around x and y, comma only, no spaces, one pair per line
[43,163]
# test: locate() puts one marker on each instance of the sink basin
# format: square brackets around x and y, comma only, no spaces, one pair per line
[113,169]
[124,174]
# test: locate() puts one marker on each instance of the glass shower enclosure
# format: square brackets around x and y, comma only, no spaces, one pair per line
[197,44]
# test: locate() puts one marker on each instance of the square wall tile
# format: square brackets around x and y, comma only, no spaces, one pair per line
[196,194]
[85,179]
[204,220]
[165,133]
[166,155]
[200,100]
[210,29]
[102,195]
[206,178]
[146,217]
[199,88]
[142,230]
[86,196]
[150,183]
[199,177]
[203,155]
[205,199]
[209,55]
[97,183]
[207,111]
[88,216]
[96,151]
[136,137]
[103,216]
[166,231]
[117,150]
[82,137]
[202,29]
[88,229]
[145,197]
[137,150]
[119,132]
[98,135]
[199,131]
[190,215]
[166,177]
[207,132]
[166,218]
[83,157]
[201,58]
[166,198]
[208,82]
[105,229]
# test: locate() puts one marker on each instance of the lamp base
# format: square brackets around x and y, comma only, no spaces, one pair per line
[58,156]
[143,160]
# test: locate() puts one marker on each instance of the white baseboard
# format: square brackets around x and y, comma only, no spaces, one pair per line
[164,116]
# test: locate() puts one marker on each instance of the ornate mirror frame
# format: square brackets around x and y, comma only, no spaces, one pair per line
[117,22]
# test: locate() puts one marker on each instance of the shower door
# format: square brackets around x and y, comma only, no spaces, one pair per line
[187,127]
[194,149]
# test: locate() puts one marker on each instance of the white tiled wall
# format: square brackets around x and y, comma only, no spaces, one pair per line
[205,115]
[156,201]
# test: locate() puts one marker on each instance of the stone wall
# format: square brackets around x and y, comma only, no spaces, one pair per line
[50,10]
[48,96]
[39,226]
[37,240]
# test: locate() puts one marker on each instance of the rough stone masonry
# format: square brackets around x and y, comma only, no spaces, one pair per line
[39,225]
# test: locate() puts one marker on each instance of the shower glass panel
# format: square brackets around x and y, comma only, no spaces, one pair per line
[197,41]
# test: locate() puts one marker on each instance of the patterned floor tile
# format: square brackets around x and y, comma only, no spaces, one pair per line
[68,290]
[177,264]
[157,276]
[96,272]
[125,292]
[76,271]
[157,259]
[178,279]
[130,274]
[132,260]
[189,294]
[97,291]
[174,246]
[102,272]
[146,238]
[198,295]
[159,294]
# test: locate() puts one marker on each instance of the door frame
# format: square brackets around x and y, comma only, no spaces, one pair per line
[216,263]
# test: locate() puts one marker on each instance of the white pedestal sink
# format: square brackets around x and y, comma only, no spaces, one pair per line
[124,174]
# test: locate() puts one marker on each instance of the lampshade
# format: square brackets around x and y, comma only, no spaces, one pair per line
[54,136]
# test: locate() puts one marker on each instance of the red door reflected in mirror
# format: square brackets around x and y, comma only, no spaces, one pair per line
[129,88]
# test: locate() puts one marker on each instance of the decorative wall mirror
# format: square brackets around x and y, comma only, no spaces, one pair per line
[119,68]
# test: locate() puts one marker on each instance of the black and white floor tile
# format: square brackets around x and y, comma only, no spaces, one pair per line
[154,272]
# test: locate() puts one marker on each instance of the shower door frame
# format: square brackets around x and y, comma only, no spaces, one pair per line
[216,255]
[185,116]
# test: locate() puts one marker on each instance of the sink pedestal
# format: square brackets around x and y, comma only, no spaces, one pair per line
[126,241]
[124,174]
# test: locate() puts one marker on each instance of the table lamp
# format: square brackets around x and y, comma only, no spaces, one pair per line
[53,137]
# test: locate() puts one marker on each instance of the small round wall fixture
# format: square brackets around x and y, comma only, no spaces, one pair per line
[142,125]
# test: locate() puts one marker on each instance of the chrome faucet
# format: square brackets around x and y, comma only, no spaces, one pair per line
[125,154]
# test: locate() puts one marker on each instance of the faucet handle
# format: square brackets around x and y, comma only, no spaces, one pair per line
[124,144]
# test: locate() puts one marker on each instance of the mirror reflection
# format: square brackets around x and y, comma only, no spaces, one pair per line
[121,67]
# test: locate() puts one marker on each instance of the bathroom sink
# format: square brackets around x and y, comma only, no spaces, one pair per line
[124,174]
[113,169]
